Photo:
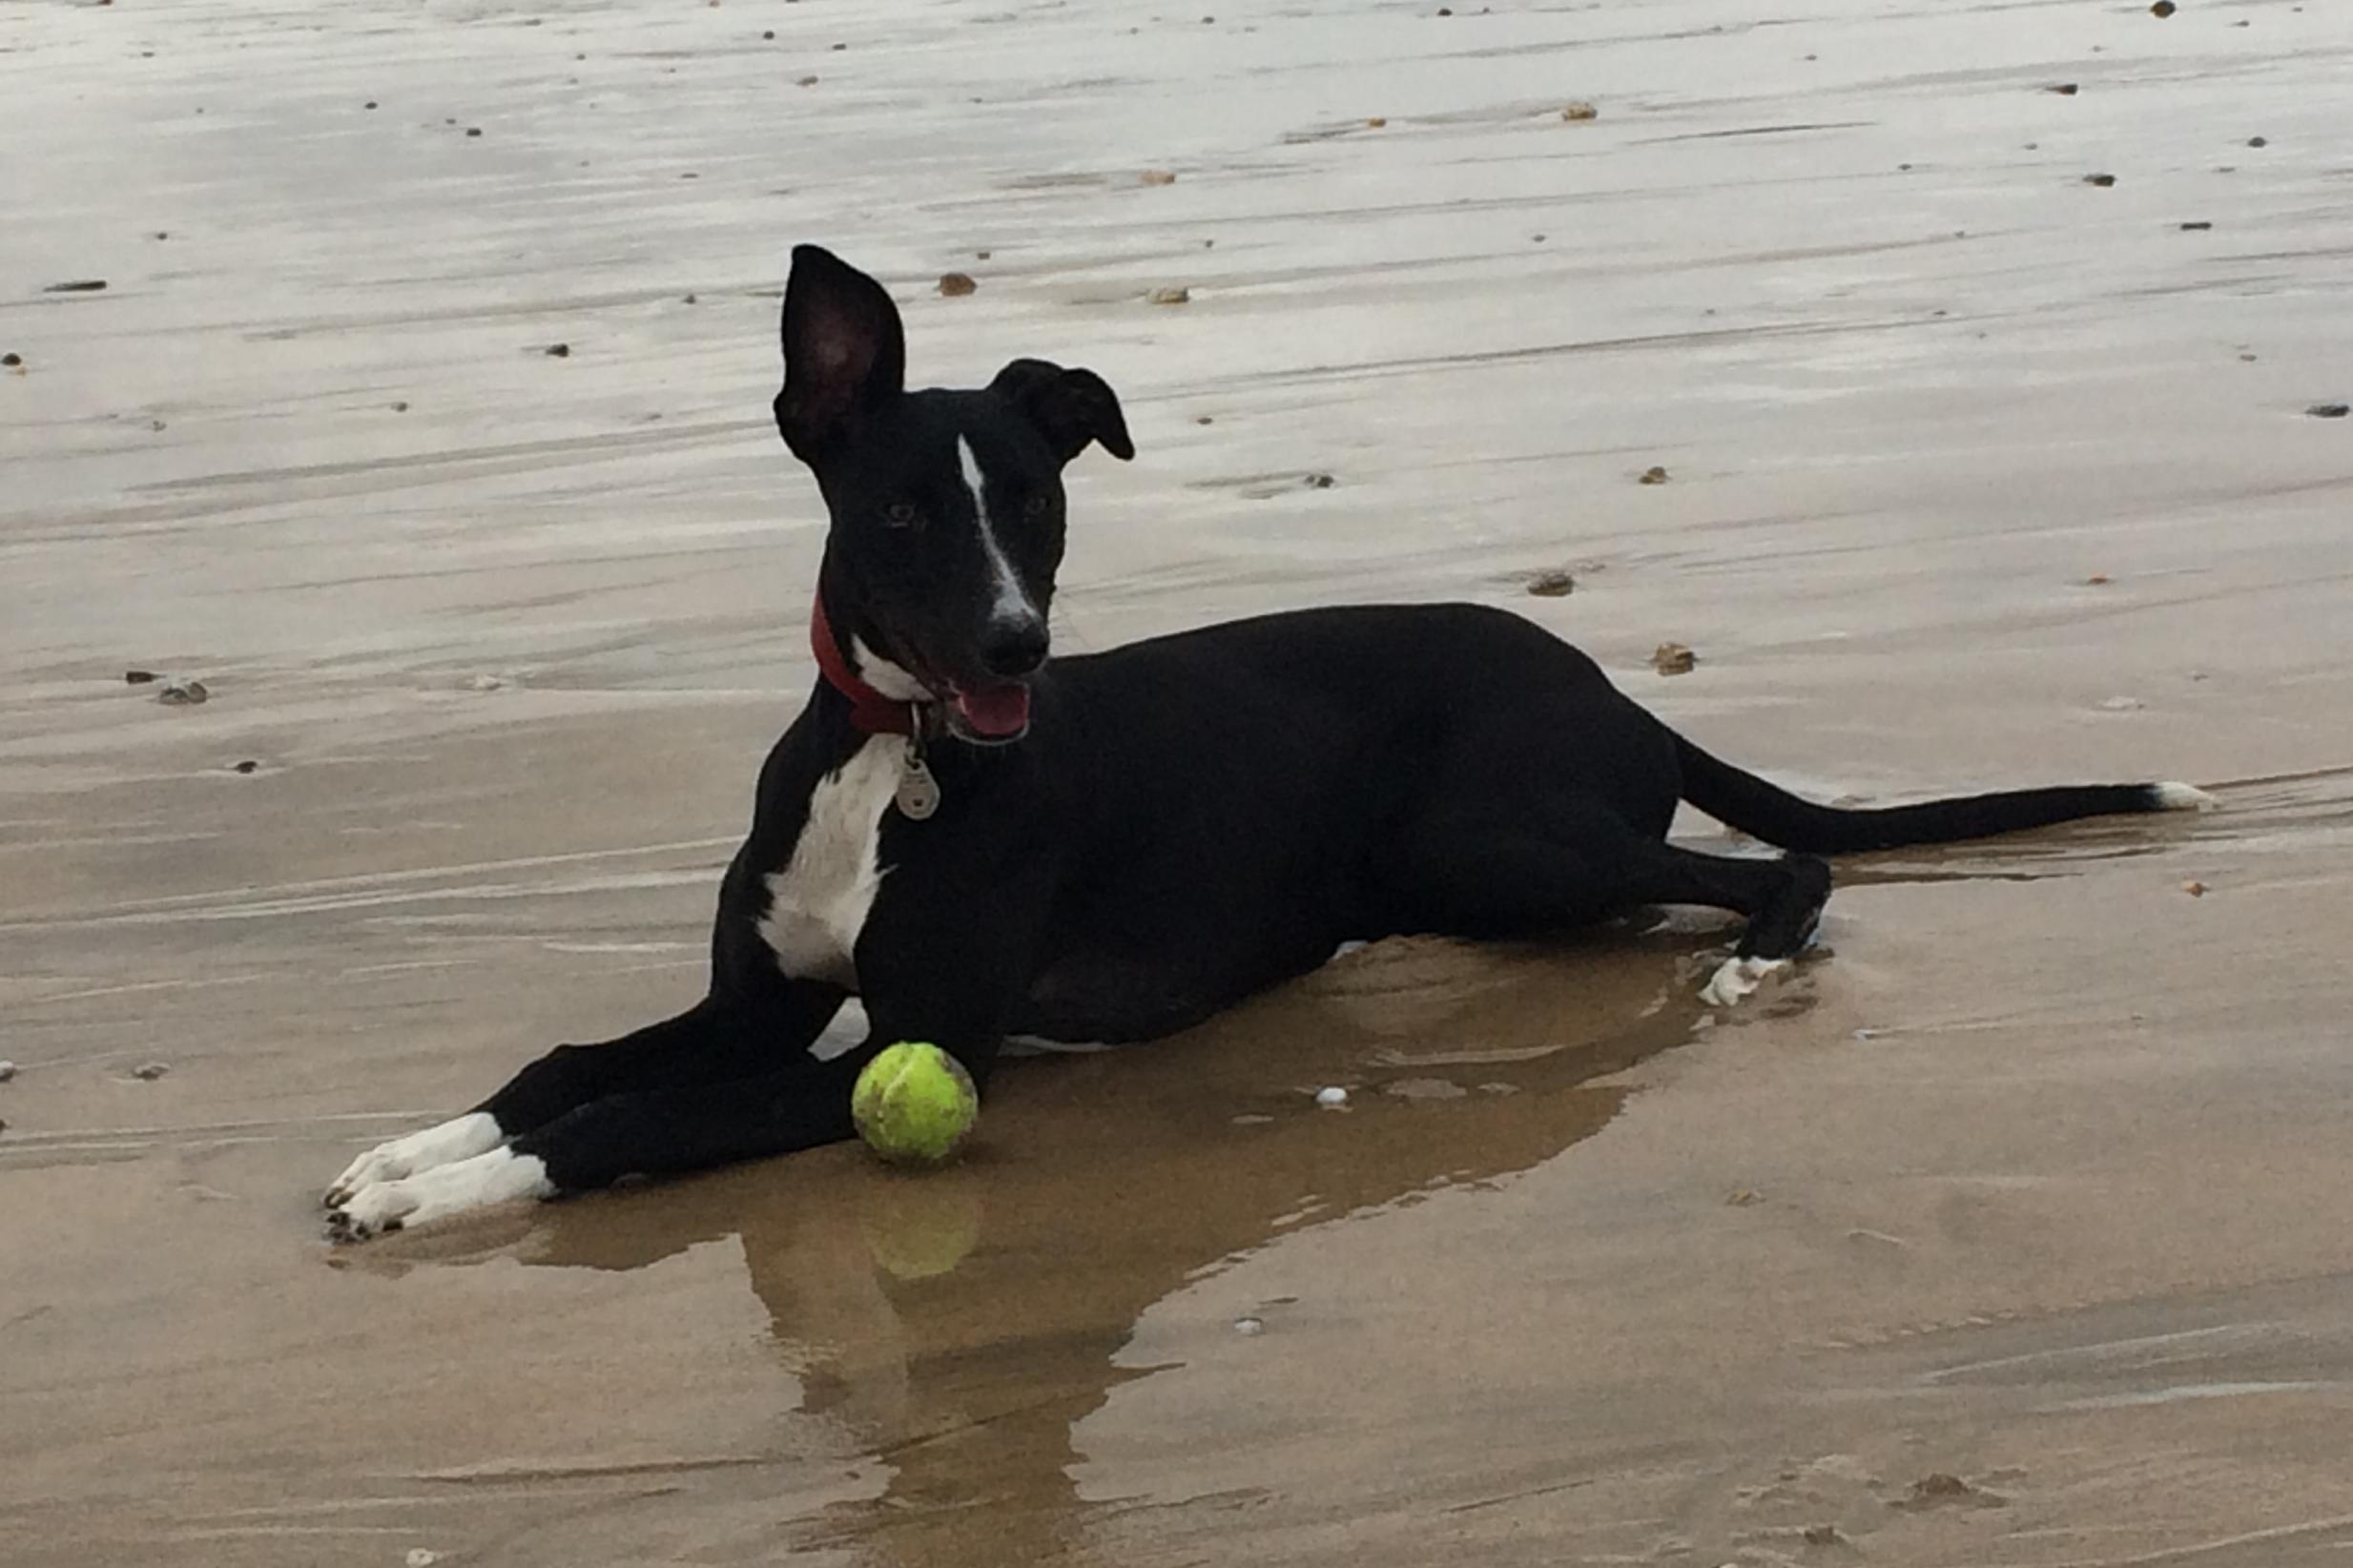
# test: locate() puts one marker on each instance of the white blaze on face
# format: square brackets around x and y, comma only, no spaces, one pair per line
[1011,603]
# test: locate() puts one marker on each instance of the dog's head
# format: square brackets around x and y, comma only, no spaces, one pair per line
[946,507]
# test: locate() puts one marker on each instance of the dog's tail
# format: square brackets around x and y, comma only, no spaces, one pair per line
[1765,810]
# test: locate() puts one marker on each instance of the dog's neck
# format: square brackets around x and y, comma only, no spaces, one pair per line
[873,712]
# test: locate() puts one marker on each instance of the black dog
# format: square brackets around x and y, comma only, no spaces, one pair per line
[1119,846]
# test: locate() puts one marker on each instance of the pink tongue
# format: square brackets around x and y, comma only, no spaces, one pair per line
[995,710]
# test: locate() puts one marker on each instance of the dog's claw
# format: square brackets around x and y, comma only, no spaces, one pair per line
[373,1209]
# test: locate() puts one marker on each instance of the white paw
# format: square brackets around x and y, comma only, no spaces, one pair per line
[499,1176]
[370,1211]
[460,1138]
[1738,978]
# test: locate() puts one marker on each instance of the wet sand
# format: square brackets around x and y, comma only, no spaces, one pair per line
[2012,1232]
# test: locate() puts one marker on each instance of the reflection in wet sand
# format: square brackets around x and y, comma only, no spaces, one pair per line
[957,1327]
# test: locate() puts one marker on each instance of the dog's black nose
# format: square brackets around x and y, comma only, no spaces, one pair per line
[1013,646]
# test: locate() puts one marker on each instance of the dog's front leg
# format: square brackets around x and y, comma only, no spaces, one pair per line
[663,1131]
[947,970]
[473,1160]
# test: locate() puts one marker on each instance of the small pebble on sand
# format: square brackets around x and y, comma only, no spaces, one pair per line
[1332,1098]
[2103,181]
[137,677]
[1551,584]
[1169,297]
[2162,9]
[955,285]
[1157,176]
[558,351]
[1249,1325]
[13,361]
[1578,112]
[2329,410]
[7,1070]
[2193,888]
[2258,141]
[1673,659]
[1653,475]
[2196,227]
[184,693]
[147,1072]
[2065,90]
[1940,1490]
[248,766]
[77,285]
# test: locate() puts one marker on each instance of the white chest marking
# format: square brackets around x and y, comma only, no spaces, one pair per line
[819,902]
[1010,602]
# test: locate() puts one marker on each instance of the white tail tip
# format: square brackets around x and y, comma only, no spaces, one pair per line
[2181,797]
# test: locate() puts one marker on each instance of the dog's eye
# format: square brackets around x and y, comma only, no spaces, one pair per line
[900,514]
[1038,504]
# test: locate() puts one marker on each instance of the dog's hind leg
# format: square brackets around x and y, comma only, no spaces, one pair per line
[1782,898]
[1491,873]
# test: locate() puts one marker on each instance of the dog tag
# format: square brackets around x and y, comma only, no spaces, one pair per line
[918,792]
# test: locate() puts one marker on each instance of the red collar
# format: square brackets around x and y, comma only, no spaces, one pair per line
[871,712]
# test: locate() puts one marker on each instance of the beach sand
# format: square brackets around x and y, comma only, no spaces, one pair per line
[2012,1232]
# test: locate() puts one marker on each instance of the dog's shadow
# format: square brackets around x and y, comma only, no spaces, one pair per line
[956,1326]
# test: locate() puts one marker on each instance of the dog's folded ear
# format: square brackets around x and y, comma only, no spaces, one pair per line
[1069,407]
[844,350]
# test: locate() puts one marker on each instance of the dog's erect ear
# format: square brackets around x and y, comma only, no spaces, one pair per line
[1069,407]
[844,349]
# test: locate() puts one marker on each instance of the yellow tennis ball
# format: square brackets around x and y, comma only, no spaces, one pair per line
[913,1103]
